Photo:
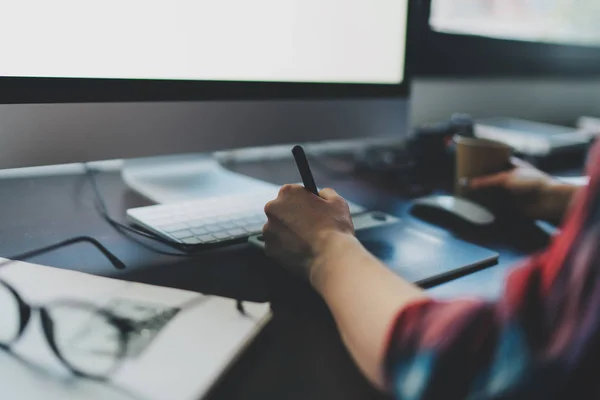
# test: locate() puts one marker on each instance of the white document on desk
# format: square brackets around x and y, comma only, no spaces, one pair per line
[182,362]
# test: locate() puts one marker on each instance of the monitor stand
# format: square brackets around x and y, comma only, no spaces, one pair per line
[168,179]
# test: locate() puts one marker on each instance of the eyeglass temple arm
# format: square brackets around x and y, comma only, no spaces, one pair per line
[118,264]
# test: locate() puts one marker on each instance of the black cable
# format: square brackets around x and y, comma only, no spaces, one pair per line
[114,260]
[103,209]
[125,229]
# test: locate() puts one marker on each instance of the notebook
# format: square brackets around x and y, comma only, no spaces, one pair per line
[180,359]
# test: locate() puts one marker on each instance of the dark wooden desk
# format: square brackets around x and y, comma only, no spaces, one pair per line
[300,354]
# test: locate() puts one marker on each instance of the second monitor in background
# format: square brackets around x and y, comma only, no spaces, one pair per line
[552,38]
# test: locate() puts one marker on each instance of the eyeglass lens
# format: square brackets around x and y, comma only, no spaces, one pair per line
[86,340]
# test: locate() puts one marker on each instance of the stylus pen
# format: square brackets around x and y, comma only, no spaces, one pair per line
[302,163]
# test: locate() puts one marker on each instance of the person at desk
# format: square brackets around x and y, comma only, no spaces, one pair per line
[540,340]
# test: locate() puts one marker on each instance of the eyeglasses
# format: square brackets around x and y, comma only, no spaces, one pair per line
[64,323]
[91,342]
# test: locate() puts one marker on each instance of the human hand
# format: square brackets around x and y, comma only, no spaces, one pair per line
[533,193]
[300,225]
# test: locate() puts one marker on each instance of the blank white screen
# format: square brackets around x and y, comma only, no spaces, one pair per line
[352,41]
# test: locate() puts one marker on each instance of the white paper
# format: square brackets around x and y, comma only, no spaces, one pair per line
[181,363]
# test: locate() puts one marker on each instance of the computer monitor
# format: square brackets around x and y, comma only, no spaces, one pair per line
[69,51]
[559,38]
[141,78]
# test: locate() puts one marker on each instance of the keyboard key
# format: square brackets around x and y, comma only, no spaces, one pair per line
[207,238]
[185,233]
[237,232]
[214,228]
[174,227]
[258,218]
[227,225]
[221,235]
[195,222]
[256,228]
[199,231]
[192,240]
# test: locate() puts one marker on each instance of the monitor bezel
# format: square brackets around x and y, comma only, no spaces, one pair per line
[457,55]
[28,90]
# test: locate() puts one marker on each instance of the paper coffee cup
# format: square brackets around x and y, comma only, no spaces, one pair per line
[478,157]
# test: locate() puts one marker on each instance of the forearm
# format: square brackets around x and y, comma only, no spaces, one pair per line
[364,296]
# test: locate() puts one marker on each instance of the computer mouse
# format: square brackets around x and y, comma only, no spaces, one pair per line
[452,211]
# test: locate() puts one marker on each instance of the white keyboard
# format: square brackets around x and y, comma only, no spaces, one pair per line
[210,221]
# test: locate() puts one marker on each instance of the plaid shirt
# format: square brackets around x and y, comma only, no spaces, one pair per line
[541,340]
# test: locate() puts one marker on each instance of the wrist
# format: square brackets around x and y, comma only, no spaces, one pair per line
[557,198]
[331,247]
